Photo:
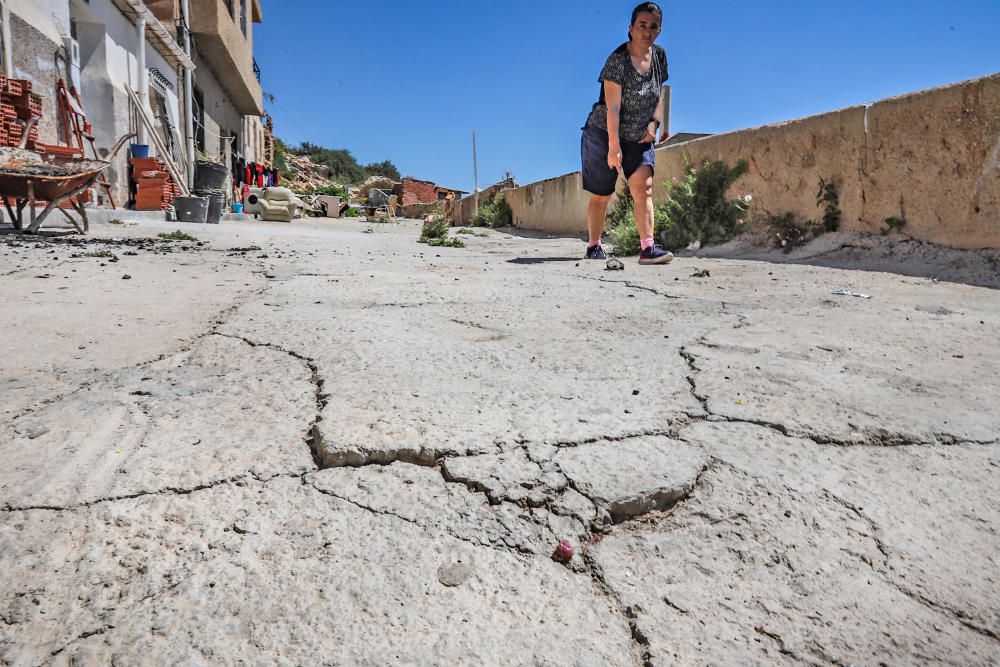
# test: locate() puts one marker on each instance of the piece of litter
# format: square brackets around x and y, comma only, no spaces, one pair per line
[847,292]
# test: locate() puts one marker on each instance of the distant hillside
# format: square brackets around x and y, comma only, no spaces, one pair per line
[343,167]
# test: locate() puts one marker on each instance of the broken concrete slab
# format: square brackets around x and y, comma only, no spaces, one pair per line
[854,379]
[746,572]
[421,496]
[219,411]
[559,396]
[167,579]
[115,324]
[632,477]
[924,505]
[509,476]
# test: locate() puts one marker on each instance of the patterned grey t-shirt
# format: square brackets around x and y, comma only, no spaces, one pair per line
[640,92]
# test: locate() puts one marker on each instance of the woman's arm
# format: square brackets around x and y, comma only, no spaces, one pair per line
[613,99]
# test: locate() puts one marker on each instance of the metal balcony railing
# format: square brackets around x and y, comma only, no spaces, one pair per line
[256,70]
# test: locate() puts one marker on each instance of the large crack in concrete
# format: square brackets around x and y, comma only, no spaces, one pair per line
[165,491]
[311,434]
[872,438]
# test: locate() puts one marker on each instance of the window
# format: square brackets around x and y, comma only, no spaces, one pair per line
[229,6]
[243,17]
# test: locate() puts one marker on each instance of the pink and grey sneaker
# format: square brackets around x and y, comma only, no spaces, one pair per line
[654,254]
[596,252]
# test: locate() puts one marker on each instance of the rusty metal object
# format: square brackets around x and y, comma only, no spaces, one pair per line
[27,177]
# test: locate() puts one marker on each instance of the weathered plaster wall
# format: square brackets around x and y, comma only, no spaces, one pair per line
[34,60]
[932,158]
[557,205]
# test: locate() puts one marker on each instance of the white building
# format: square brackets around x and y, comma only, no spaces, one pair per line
[105,47]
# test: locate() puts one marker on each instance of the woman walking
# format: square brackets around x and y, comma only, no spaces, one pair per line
[621,129]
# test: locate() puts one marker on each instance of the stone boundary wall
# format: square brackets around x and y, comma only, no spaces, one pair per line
[931,158]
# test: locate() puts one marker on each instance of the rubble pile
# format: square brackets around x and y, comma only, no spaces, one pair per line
[306,175]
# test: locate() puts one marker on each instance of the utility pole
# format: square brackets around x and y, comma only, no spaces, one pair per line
[475,173]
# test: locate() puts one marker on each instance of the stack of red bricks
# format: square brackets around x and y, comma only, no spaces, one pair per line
[154,189]
[17,102]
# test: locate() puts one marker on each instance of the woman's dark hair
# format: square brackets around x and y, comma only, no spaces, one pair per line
[644,7]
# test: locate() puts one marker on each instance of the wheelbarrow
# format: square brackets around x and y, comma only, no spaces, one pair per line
[28,178]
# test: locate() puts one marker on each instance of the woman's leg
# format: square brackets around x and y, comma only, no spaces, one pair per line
[597,211]
[641,185]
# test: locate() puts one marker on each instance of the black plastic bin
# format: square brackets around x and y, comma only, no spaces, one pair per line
[191,209]
[216,202]
[209,175]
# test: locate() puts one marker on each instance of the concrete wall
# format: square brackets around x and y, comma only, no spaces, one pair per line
[932,158]
[462,212]
[220,40]
[556,205]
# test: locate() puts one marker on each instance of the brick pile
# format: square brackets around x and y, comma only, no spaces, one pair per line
[152,187]
[17,102]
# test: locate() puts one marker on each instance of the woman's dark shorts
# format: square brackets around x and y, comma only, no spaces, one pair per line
[598,177]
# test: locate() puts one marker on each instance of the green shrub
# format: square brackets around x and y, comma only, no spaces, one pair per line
[351,213]
[495,212]
[332,190]
[176,236]
[828,198]
[893,224]
[625,237]
[621,212]
[435,233]
[696,208]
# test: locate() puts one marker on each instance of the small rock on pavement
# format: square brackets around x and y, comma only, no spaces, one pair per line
[126,277]
[454,574]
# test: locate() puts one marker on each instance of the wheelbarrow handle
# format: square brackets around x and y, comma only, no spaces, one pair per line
[118,146]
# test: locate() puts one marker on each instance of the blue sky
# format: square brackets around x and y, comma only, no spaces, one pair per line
[409,81]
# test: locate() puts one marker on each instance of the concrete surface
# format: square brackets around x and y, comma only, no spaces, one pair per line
[325,443]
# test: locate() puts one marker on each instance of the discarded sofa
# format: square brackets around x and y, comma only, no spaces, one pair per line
[277,205]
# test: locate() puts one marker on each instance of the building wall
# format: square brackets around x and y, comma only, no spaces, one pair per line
[220,40]
[109,43]
[222,119]
[412,191]
[33,48]
[932,158]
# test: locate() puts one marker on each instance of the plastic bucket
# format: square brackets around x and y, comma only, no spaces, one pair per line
[209,175]
[191,209]
[237,208]
[139,150]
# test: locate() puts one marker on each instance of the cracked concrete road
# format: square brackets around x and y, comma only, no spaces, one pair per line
[310,444]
